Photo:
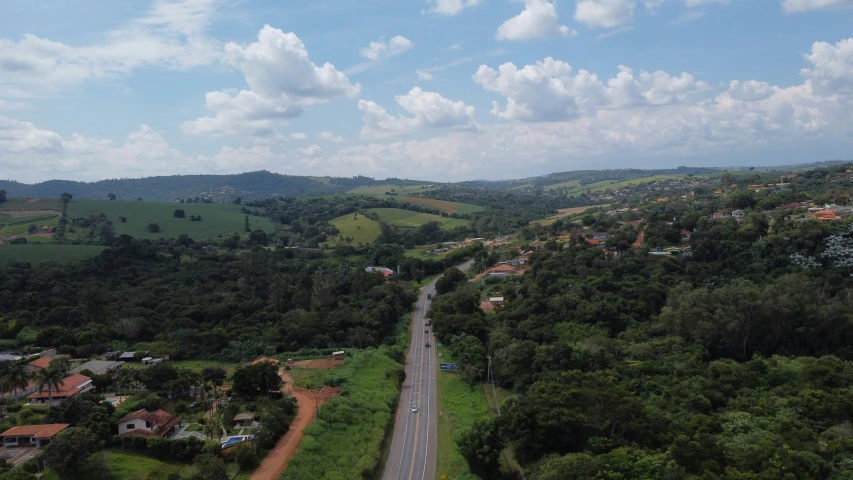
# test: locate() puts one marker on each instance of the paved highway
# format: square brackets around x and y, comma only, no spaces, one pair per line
[414,444]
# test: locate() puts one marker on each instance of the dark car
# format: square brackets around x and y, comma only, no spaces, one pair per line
[426,344]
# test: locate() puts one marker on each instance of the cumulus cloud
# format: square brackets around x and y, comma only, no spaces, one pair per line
[172,34]
[298,136]
[379,49]
[310,151]
[550,91]
[538,20]
[331,137]
[424,75]
[604,13]
[750,90]
[428,109]
[797,6]
[450,7]
[281,79]
[832,69]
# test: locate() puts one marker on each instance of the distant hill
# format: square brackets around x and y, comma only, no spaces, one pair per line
[219,188]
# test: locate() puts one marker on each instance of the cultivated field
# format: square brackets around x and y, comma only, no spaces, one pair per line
[29,204]
[359,227]
[397,217]
[445,206]
[381,189]
[217,218]
[565,212]
[47,253]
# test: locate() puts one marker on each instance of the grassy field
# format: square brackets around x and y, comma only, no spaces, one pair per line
[445,206]
[47,253]
[130,466]
[19,204]
[359,227]
[381,189]
[460,407]
[421,252]
[217,218]
[397,217]
[570,183]
[345,440]
[565,212]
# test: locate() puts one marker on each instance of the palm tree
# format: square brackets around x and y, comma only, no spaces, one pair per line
[50,378]
[213,427]
[16,378]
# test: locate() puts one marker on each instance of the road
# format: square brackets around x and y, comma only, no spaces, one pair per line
[414,445]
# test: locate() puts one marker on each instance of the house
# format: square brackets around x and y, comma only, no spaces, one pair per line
[244,420]
[598,236]
[826,215]
[685,236]
[515,262]
[131,356]
[720,216]
[502,271]
[387,272]
[339,355]
[97,367]
[152,360]
[789,206]
[595,242]
[496,301]
[738,215]
[72,385]
[149,424]
[40,363]
[32,435]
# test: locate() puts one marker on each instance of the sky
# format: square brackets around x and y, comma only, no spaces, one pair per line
[442,90]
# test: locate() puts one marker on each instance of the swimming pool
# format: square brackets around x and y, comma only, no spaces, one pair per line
[113,401]
[233,440]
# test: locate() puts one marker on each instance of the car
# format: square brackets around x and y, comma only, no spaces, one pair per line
[426,330]
[414,408]
[426,324]
[426,344]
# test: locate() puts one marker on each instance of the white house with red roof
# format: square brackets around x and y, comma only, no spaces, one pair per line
[71,385]
[158,423]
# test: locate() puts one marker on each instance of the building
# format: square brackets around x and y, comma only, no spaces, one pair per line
[244,420]
[158,423]
[32,435]
[502,271]
[826,215]
[97,367]
[339,355]
[9,357]
[496,301]
[515,262]
[387,272]
[738,215]
[72,385]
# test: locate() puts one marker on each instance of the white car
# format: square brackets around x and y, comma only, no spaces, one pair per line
[414,408]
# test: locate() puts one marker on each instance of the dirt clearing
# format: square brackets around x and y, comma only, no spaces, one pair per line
[446,207]
[316,363]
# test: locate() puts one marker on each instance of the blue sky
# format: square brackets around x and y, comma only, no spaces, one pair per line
[438,89]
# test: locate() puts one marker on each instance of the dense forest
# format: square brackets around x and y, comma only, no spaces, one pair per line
[732,362]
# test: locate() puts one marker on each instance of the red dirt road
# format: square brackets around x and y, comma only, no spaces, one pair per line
[276,462]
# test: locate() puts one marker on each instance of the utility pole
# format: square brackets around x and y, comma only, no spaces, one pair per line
[491,379]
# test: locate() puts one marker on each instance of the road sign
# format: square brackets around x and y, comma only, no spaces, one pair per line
[449,367]
[439,345]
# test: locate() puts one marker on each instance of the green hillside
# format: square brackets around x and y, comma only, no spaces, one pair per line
[217,218]
[359,227]
[397,217]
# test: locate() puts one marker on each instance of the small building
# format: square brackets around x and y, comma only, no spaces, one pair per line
[152,360]
[97,367]
[131,356]
[158,423]
[515,262]
[32,435]
[496,301]
[339,355]
[502,271]
[244,420]
[387,272]
[71,386]
[38,364]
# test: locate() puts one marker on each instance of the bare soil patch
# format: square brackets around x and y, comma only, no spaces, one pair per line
[316,363]
[446,207]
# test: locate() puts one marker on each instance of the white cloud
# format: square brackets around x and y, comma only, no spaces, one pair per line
[549,91]
[833,66]
[424,75]
[652,5]
[382,49]
[604,13]
[171,35]
[281,78]
[331,137]
[456,46]
[429,109]
[614,32]
[538,20]
[796,6]
[687,17]
[451,7]
[298,136]
[310,151]
[750,90]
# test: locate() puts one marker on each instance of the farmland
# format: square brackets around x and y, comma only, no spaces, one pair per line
[381,189]
[565,212]
[359,227]
[47,253]
[445,206]
[217,218]
[397,217]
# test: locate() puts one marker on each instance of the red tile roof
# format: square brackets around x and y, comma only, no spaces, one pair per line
[503,269]
[70,386]
[163,422]
[47,430]
[594,241]
[41,362]
[265,359]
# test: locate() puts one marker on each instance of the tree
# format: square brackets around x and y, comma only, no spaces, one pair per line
[33,228]
[68,453]
[481,446]
[122,219]
[259,237]
[111,196]
[3,197]
[15,378]
[138,199]
[260,378]
[154,228]
[66,197]
[179,213]
[209,467]
[213,427]
[51,379]
[246,224]
[214,375]
[237,201]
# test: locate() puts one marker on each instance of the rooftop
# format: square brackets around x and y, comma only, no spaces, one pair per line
[96,366]
[46,430]
[70,385]
[41,362]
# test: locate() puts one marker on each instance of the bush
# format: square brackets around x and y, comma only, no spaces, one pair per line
[245,455]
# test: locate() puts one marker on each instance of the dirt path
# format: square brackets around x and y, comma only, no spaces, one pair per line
[276,462]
